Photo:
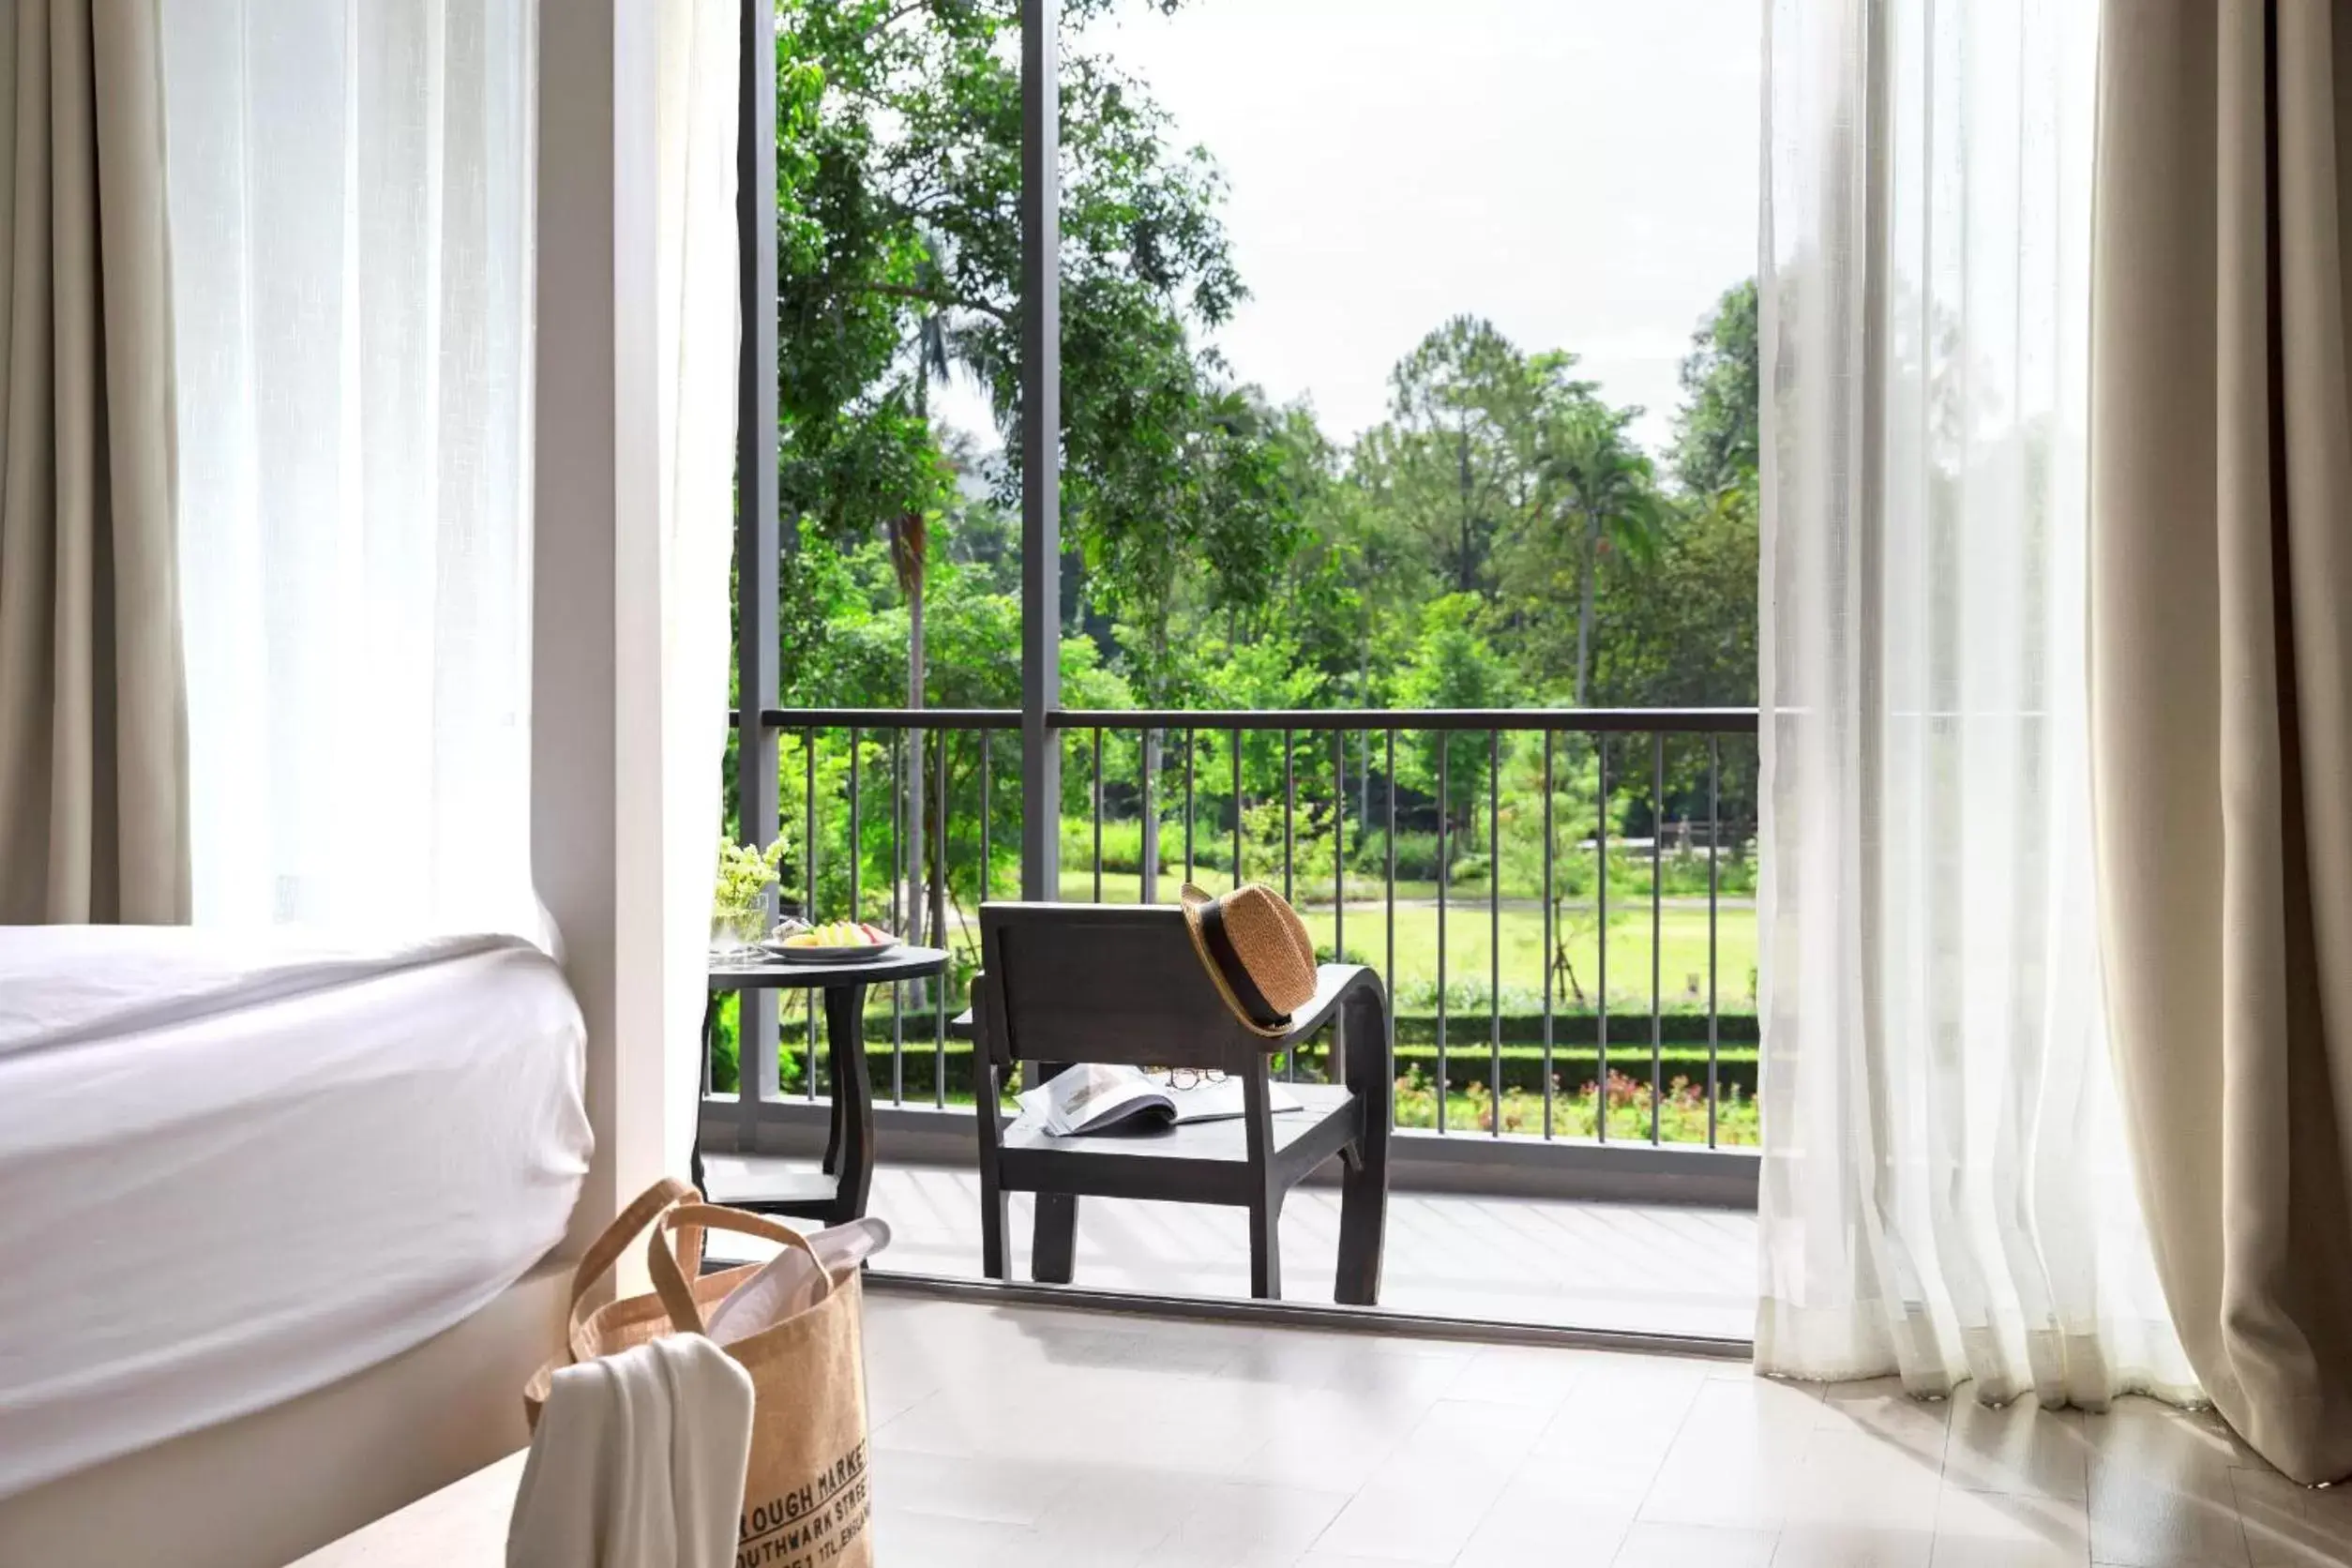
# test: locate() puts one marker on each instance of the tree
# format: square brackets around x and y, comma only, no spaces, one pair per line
[1609,493]
[897,193]
[910,554]
[1716,429]
[1215,500]
[898,166]
[1682,623]
[1455,666]
[1459,461]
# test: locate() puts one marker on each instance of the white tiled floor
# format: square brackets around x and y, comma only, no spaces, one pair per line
[1647,1268]
[1008,1436]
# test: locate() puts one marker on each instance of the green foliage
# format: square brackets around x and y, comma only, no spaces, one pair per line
[1461,463]
[1454,666]
[898,265]
[1498,539]
[1122,847]
[1715,432]
[1416,855]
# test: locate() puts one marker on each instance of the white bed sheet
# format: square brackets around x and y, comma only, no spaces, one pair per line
[233,1169]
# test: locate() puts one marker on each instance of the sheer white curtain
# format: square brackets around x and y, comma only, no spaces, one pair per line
[696,338]
[1946,1190]
[351,195]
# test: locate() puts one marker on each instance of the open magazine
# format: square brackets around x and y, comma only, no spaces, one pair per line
[1099,1097]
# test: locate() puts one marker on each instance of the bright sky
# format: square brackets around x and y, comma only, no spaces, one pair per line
[1582,172]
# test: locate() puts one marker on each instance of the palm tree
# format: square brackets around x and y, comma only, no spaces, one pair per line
[910,559]
[1611,492]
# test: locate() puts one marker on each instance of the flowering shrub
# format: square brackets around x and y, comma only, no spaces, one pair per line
[1682,1110]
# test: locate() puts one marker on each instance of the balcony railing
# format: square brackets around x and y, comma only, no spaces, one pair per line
[1495,810]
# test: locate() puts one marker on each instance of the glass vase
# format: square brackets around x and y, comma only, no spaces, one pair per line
[734,932]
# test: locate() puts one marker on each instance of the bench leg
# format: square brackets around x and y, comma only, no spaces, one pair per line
[1362,1218]
[1364,1188]
[1053,1255]
[1265,1248]
[995,1221]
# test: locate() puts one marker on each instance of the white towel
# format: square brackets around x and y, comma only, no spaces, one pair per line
[788,1286]
[638,1462]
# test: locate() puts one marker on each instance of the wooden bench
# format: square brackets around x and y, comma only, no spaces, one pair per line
[1062,983]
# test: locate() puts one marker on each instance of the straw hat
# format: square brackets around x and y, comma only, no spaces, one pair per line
[1257,950]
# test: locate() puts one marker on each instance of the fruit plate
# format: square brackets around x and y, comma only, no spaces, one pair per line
[863,954]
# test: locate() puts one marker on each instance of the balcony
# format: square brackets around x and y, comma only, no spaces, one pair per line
[951,217]
[1535,948]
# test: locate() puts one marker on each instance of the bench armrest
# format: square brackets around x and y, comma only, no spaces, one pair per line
[1335,986]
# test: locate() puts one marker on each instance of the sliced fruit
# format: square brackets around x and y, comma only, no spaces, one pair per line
[839,933]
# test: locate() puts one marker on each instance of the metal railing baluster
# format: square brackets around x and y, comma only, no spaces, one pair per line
[1657,924]
[1188,805]
[1339,846]
[1494,926]
[1715,839]
[1388,788]
[1290,895]
[1147,836]
[1098,816]
[897,901]
[987,850]
[1445,869]
[1289,811]
[1601,958]
[1548,1086]
[939,925]
[1237,808]
[857,867]
[809,745]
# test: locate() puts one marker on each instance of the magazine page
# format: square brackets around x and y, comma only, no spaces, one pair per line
[1092,1096]
[1223,1100]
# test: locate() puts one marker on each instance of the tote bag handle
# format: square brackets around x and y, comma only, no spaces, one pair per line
[605,1249]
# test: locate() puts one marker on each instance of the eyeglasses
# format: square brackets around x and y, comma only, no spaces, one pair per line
[1181,1079]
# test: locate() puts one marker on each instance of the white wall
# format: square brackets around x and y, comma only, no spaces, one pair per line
[595,845]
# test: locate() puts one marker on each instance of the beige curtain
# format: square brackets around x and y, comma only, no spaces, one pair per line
[2222,684]
[92,727]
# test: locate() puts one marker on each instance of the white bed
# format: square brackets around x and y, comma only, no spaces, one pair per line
[234,1173]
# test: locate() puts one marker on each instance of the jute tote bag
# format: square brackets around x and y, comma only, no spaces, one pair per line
[805,1498]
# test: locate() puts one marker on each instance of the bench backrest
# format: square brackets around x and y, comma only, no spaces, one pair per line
[1117,982]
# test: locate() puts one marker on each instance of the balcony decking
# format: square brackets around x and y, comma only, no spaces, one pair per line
[1625,1267]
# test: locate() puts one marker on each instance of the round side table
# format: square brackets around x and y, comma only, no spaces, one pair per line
[838,1191]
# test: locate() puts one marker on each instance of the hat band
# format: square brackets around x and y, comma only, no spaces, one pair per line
[1236,973]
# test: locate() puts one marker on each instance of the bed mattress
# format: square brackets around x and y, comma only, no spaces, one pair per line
[236,1170]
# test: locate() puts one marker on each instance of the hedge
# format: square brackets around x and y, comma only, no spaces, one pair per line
[1468,1055]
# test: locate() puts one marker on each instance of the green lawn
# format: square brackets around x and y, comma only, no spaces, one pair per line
[1684,972]
[1682,927]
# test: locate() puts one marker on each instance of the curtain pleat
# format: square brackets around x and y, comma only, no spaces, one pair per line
[352,207]
[2222,685]
[696,260]
[1946,1191]
[94,816]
